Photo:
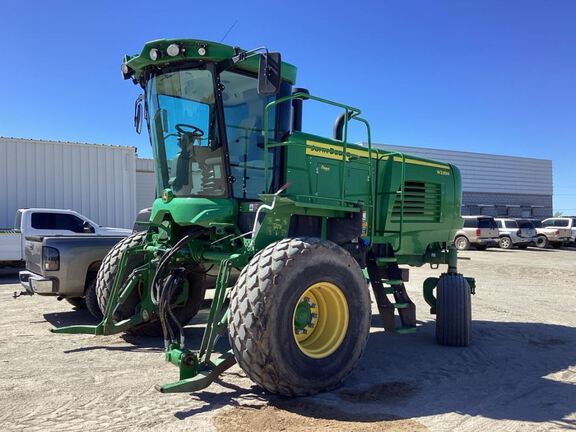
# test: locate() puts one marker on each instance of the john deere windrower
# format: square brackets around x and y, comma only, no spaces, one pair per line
[290,230]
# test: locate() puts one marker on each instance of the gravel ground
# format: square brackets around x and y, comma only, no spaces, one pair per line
[518,374]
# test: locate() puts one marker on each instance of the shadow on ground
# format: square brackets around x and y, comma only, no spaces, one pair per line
[512,371]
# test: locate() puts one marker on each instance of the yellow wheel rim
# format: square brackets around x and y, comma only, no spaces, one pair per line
[320,320]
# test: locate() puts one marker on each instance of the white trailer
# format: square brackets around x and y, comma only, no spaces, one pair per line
[98,181]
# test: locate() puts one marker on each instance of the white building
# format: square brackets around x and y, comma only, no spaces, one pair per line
[110,184]
[98,181]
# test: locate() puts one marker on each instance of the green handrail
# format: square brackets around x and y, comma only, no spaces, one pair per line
[350,113]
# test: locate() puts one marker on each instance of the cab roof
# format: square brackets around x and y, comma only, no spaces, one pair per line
[191,50]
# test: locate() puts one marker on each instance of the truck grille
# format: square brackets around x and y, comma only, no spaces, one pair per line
[422,202]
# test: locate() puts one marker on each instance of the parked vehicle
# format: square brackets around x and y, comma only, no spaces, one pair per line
[63,251]
[551,235]
[478,231]
[40,222]
[520,233]
[568,222]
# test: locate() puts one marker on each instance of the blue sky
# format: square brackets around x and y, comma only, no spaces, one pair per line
[490,76]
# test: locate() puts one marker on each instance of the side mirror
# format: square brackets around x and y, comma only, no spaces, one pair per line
[87,228]
[269,76]
[138,114]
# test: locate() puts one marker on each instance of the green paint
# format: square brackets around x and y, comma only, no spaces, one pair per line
[410,205]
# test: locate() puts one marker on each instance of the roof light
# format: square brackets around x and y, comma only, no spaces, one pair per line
[124,68]
[201,51]
[173,50]
[154,54]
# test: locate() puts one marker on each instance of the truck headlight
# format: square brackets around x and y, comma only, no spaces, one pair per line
[50,258]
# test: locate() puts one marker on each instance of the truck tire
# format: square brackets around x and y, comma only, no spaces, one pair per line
[105,281]
[91,300]
[461,243]
[453,311]
[299,316]
[542,242]
[505,243]
[77,302]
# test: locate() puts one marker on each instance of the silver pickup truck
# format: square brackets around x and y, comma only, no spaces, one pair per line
[66,267]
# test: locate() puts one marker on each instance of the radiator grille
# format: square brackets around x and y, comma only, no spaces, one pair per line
[422,203]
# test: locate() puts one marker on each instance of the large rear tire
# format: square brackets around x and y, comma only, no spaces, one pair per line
[299,316]
[453,311]
[105,280]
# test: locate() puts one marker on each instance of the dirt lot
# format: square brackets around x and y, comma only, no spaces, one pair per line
[519,373]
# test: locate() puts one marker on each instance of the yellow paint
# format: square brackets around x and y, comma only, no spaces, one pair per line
[330,151]
[328,327]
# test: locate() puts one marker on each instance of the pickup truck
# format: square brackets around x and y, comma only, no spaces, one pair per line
[550,235]
[565,222]
[66,265]
[41,222]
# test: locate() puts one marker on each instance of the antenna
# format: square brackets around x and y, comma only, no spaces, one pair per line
[228,31]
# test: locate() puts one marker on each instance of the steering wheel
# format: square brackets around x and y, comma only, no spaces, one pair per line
[182,129]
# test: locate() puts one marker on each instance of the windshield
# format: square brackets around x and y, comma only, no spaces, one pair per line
[244,114]
[182,116]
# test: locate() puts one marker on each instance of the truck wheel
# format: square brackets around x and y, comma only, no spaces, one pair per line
[105,281]
[541,242]
[91,300]
[461,243]
[77,302]
[453,311]
[505,243]
[299,316]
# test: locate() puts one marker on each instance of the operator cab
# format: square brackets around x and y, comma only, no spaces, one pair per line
[206,121]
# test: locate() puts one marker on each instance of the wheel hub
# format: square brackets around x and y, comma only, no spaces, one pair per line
[320,320]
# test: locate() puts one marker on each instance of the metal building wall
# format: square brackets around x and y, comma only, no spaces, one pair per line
[492,173]
[495,184]
[145,183]
[97,181]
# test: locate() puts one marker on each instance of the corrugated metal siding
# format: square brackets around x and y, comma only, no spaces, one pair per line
[145,183]
[492,173]
[97,181]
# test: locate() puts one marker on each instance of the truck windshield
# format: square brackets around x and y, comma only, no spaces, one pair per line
[182,118]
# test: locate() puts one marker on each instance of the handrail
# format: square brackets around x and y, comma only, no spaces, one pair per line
[350,113]
[402,184]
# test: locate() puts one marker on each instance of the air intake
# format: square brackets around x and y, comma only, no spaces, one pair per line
[422,202]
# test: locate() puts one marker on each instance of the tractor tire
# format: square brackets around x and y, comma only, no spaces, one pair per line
[105,281]
[91,300]
[505,243]
[77,302]
[453,311]
[542,242]
[299,316]
[461,243]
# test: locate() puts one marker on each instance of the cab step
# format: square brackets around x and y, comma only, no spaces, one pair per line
[405,330]
[386,278]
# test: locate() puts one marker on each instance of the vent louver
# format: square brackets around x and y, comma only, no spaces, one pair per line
[422,202]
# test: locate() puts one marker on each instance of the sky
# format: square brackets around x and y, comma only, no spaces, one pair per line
[488,76]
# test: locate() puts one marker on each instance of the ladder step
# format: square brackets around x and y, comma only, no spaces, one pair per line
[392,281]
[401,305]
[384,260]
[388,290]
[404,330]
